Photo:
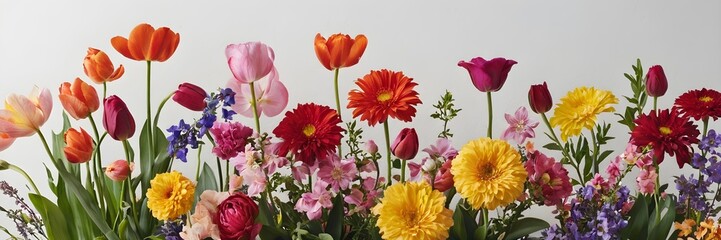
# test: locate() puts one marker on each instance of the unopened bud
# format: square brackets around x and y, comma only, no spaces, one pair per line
[4,165]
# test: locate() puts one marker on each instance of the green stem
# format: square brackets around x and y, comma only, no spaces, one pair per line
[160,108]
[388,151]
[655,102]
[105,90]
[149,114]
[197,169]
[337,105]
[27,177]
[253,103]
[99,181]
[658,191]
[217,160]
[566,155]
[403,171]
[490,115]
[705,127]
[45,144]
[595,152]
[131,191]
[484,213]
[310,182]
[227,176]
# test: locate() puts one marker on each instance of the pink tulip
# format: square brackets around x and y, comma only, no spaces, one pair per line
[5,141]
[23,115]
[119,170]
[250,61]
[271,96]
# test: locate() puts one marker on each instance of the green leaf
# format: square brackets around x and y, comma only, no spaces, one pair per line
[397,163]
[265,215]
[335,219]
[206,181]
[525,226]
[660,230]
[480,233]
[552,146]
[53,218]
[325,236]
[464,225]
[272,233]
[638,223]
[147,156]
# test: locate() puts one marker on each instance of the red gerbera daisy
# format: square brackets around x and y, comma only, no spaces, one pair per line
[700,104]
[666,132]
[309,132]
[382,94]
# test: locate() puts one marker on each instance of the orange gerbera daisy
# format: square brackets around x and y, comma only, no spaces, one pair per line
[382,94]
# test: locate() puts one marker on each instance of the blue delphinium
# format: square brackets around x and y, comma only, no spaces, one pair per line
[692,191]
[594,214]
[171,229]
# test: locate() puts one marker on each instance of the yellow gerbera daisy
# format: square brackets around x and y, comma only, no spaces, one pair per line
[170,195]
[413,210]
[488,173]
[579,108]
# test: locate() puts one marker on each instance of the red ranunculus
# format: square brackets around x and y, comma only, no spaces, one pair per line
[236,218]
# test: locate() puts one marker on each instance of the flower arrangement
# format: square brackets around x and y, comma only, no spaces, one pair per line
[314,176]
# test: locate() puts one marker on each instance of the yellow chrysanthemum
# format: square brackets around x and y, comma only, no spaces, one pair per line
[488,173]
[413,210]
[170,195]
[579,109]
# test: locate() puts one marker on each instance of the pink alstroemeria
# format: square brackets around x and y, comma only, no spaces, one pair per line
[270,94]
[337,173]
[301,170]
[438,153]
[646,180]
[250,61]
[272,162]
[247,165]
[520,126]
[24,115]
[314,202]
[441,148]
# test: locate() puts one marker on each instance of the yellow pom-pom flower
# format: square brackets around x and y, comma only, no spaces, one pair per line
[488,173]
[170,195]
[413,210]
[579,109]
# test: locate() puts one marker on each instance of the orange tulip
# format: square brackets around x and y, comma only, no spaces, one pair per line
[339,50]
[24,115]
[99,68]
[146,43]
[79,99]
[78,146]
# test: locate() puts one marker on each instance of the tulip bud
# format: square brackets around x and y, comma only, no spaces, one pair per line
[117,119]
[99,68]
[79,99]
[371,147]
[406,144]
[119,170]
[656,82]
[190,96]
[78,146]
[540,98]
[4,165]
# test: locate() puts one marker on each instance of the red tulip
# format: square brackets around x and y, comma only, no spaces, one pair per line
[78,146]
[406,144]
[119,170]
[488,76]
[190,96]
[540,98]
[117,119]
[236,218]
[656,82]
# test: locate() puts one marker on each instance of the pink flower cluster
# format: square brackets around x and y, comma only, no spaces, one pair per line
[549,181]
[438,164]
[230,138]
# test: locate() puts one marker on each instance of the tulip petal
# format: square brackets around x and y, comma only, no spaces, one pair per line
[23,110]
[356,51]
[321,51]
[275,96]
[339,46]
[12,129]
[242,98]
[121,45]
[5,141]
[163,44]
[74,106]
[139,41]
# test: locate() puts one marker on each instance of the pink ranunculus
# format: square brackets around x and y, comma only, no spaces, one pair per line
[203,225]
[488,76]
[646,180]
[230,138]
[520,126]
[314,202]
[337,173]
[549,180]
[270,94]
[236,218]
[250,61]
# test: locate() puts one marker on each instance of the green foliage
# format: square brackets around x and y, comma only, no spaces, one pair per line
[354,138]
[637,101]
[446,111]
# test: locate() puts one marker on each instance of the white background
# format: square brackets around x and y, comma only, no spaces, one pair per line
[566,43]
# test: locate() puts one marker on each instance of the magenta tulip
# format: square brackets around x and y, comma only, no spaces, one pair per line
[190,96]
[540,98]
[117,120]
[488,76]
[250,61]
[656,82]
[406,144]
